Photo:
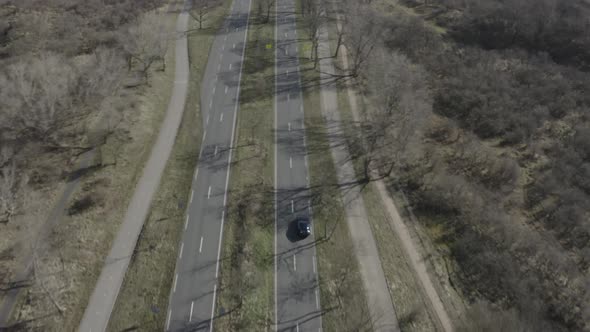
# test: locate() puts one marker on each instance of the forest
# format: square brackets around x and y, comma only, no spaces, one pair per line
[488,136]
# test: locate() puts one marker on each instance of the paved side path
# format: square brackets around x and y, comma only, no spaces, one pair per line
[105,293]
[416,260]
[378,298]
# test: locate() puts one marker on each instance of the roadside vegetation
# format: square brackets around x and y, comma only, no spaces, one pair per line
[478,113]
[246,287]
[79,107]
[144,295]
[342,294]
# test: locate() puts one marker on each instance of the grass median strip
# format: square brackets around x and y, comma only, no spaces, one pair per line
[341,290]
[245,298]
[143,298]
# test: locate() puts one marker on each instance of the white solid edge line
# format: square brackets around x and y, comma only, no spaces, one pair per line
[168,319]
[276,325]
[231,143]
[190,317]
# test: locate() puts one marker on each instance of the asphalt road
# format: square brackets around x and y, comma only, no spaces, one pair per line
[194,288]
[381,311]
[297,302]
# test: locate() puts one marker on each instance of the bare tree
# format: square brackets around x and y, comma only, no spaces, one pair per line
[103,74]
[364,32]
[401,105]
[201,9]
[146,42]
[267,6]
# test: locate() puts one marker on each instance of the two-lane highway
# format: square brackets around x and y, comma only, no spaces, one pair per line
[297,302]
[194,288]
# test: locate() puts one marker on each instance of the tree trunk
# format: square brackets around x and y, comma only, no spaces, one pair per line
[338,44]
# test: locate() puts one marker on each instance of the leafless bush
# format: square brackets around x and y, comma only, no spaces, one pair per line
[11,192]
[37,96]
[42,96]
[312,22]
[402,105]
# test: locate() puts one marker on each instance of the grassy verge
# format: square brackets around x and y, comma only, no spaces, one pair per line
[245,301]
[341,290]
[144,295]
